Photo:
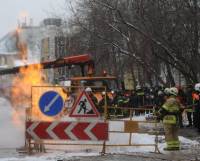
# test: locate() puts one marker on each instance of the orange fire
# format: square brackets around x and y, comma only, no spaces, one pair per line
[24,97]
[21,91]
[29,76]
[21,45]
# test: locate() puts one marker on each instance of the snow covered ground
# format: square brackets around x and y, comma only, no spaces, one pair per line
[12,136]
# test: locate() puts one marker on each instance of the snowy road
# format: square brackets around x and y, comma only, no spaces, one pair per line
[117,158]
[171,156]
[12,137]
[62,156]
[7,153]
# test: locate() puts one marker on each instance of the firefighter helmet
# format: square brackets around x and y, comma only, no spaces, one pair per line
[160,93]
[138,87]
[197,87]
[88,89]
[173,91]
[167,91]
[103,93]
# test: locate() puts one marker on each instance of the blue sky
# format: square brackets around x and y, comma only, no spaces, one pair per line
[13,10]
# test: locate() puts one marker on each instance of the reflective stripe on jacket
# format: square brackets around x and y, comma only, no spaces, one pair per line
[172,107]
[169,119]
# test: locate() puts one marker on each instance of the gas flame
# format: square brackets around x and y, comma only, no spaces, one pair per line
[21,45]
[28,77]
[21,92]
[24,97]
[27,89]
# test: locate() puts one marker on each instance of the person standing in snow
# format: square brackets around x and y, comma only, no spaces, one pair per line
[189,105]
[169,113]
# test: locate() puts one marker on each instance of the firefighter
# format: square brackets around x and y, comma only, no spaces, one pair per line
[169,113]
[182,99]
[160,98]
[92,96]
[189,104]
[133,100]
[117,101]
[166,92]
[140,96]
[196,97]
[113,98]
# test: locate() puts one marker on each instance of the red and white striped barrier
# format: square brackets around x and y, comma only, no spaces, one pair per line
[91,131]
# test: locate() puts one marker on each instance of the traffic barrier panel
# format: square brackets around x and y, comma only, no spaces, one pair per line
[45,128]
[50,104]
[132,127]
[75,131]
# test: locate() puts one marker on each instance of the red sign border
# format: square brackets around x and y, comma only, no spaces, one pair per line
[96,113]
[43,134]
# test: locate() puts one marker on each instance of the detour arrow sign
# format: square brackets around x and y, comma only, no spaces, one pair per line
[91,131]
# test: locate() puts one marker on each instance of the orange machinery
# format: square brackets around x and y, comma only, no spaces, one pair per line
[82,61]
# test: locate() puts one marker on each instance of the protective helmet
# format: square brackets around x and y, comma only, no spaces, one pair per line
[88,89]
[138,87]
[160,93]
[173,91]
[197,87]
[112,91]
[103,93]
[167,91]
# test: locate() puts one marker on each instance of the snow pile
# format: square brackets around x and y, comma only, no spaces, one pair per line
[11,135]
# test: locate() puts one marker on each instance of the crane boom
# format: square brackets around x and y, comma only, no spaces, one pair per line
[80,60]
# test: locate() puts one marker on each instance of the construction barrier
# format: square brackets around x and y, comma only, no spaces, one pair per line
[49,123]
[132,126]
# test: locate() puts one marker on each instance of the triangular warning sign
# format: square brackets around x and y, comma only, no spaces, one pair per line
[84,107]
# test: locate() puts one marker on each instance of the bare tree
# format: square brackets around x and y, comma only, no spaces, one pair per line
[151,35]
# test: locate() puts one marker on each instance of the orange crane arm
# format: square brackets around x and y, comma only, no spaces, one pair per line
[80,60]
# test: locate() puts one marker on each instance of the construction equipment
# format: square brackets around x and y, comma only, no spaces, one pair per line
[80,60]
[85,60]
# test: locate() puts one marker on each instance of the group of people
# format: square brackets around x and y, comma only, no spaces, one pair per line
[188,97]
[169,102]
[153,97]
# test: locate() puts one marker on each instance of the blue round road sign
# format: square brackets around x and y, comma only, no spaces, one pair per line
[51,103]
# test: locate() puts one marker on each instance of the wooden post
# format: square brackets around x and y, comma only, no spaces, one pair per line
[156,139]
[130,134]
[105,120]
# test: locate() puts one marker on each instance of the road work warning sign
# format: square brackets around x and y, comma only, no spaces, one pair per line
[84,107]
